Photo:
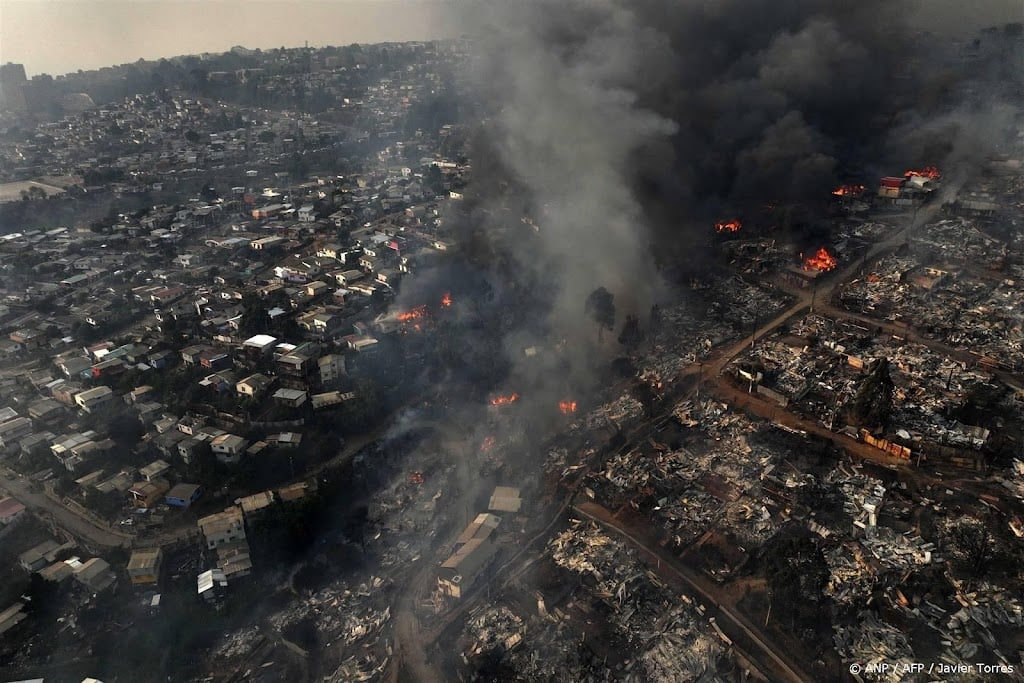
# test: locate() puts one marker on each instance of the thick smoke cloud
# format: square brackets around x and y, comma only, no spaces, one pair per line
[632,125]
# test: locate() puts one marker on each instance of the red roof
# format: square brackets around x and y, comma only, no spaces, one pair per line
[10,507]
[892,182]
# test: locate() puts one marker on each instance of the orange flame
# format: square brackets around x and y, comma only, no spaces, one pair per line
[567,407]
[926,172]
[504,400]
[446,300]
[848,190]
[728,226]
[418,313]
[821,261]
[487,444]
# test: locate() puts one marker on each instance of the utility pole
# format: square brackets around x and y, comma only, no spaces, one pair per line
[700,378]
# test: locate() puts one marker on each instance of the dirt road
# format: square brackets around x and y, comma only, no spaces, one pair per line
[81,527]
[768,657]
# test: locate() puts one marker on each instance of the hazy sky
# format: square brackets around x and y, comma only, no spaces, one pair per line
[58,36]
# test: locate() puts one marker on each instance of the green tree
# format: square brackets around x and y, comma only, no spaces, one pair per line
[255,319]
[797,574]
[872,405]
[600,306]
[972,547]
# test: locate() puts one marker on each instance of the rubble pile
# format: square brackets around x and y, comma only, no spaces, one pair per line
[857,489]
[365,667]
[552,652]
[967,633]
[851,578]
[820,379]
[724,309]
[493,629]
[872,641]
[239,643]
[342,614]
[936,291]
[897,551]
[677,652]
[672,639]
[622,412]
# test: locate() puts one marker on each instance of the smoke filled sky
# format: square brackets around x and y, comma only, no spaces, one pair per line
[59,36]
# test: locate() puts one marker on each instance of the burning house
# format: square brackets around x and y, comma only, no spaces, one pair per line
[728,226]
[912,188]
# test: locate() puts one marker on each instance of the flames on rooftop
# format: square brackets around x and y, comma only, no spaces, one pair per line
[504,400]
[926,172]
[567,407]
[446,300]
[848,190]
[728,226]
[418,313]
[821,261]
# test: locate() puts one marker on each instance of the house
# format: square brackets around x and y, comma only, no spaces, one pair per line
[505,499]
[300,363]
[94,399]
[56,572]
[266,243]
[154,470]
[107,367]
[39,556]
[268,211]
[139,394]
[144,566]
[234,560]
[474,548]
[316,288]
[13,430]
[254,386]
[94,574]
[191,424]
[457,574]
[12,616]
[228,448]
[293,398]
[890,187]
[74,367]
[190,448]
[259,344]
[223,527]
[331,250]
[255,502]
[285,439]
[65,393]
[44,409]
[10,509]
[160,359]
[332,367]
[183,495]
[211,584]
[220,381]
[306,214]
[215,360]
[146,494]
[345,278]
[191,355]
